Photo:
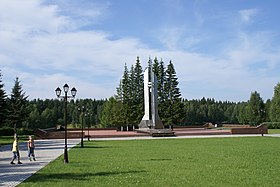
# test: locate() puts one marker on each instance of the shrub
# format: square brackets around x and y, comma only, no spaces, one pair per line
[25,132]
[6,131]
[272,125]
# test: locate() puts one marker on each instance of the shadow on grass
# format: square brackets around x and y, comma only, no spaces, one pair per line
[159,159]
[41,177]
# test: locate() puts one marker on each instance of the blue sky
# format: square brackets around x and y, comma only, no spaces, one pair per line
[221,49]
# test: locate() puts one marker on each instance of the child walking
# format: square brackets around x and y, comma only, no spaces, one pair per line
[31,147]
[15,150]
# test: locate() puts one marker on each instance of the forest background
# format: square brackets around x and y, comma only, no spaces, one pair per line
[126,108]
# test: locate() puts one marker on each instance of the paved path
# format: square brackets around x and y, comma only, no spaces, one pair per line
[45,152]
[48,150]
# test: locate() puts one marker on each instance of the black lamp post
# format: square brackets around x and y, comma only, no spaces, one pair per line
[65,97]
[89,114]
[88,132]
[82,109]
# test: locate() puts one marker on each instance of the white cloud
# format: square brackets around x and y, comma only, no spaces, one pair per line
[169,37]
[248,14]
[29,17]
[46,49]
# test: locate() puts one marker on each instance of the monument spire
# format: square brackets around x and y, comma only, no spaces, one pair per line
[151,119]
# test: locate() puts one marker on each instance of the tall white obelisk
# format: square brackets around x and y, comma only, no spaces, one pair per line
[151,119]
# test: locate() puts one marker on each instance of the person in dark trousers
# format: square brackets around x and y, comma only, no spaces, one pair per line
[31,147]
[15,150]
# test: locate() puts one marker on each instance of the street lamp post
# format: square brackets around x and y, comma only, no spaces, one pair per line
[89,114]
[82,109]
[88,131]
[65,97]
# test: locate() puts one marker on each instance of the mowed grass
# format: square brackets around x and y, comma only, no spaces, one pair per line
[248,161]
[273,131]
[5,140]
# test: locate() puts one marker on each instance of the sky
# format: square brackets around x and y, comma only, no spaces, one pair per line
[221,49]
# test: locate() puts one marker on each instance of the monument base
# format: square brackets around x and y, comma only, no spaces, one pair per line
[149,124]
[156,132]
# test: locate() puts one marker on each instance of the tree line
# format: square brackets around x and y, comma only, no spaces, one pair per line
[126,107]
[17,113]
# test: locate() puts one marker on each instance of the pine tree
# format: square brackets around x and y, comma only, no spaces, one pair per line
[3,102]
[18,106]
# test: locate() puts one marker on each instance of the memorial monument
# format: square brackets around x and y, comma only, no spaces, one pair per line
[151,122]
[151,119]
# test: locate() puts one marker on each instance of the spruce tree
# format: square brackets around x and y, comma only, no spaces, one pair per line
[159,70]
[173,107]
[156,67]
[161,80]
[130,94]
[139,82]
[139,92]
[125,85]
[18,106]
[3,103]
[130,105]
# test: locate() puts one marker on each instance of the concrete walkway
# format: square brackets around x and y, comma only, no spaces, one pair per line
[45,152]
[48,150]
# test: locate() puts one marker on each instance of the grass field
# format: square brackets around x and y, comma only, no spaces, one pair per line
[251,161]
[4,140]
[273,131]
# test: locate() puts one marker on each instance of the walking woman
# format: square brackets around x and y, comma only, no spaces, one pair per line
[31,147]
[15,150]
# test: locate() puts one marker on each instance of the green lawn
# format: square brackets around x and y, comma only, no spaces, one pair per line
[273,131]
[250,161]
[4,140]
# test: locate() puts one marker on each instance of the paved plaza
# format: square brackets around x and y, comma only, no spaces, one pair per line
[48,150]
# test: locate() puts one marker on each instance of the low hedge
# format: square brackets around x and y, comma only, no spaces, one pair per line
[8,131]
[272,125]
